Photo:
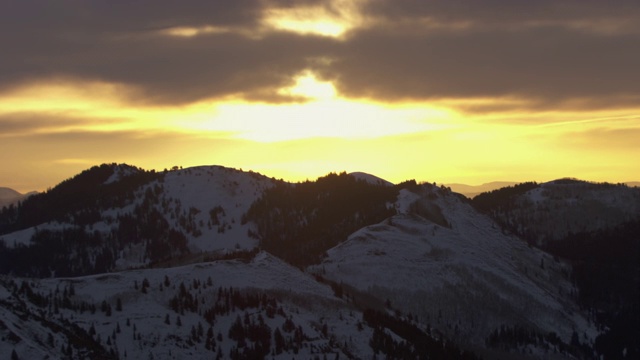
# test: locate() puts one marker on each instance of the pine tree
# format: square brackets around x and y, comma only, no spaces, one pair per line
[278,340]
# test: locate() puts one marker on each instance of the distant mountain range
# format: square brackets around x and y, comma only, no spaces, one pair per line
[472,190]
[212,262]
[9,196]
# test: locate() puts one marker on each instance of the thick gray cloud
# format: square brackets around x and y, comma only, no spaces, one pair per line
[501,13]
[547,65]
[554,53]
[121,42]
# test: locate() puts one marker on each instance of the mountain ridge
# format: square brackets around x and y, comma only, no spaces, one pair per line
[400,265]
[489,263]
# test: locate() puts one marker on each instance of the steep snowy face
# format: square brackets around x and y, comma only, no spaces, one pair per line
[550,211]
[454,269]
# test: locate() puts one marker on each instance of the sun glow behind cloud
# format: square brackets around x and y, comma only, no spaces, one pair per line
[308,86]
[335,21]
[324,115]
[326,118]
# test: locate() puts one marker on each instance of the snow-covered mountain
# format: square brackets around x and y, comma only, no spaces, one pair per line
[125,217]
[212,262]
[453,268]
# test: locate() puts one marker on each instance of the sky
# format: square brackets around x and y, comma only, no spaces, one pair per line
[456,91]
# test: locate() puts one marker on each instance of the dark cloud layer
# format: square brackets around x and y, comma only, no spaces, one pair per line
[551,52]
[502,13]
[122,42]
[545,65]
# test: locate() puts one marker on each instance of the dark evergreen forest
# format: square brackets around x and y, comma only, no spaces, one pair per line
[606,270]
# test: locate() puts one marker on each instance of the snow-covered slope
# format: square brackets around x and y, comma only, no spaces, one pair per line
[204,203]
[180,313]
[206,188]
[465,279]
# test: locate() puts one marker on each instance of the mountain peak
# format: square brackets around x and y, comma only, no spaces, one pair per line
[9,196]
[7,193]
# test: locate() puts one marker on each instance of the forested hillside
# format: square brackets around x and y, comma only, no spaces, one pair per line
[299,222]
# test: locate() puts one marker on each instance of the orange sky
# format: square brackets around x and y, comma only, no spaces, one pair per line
[456,91]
